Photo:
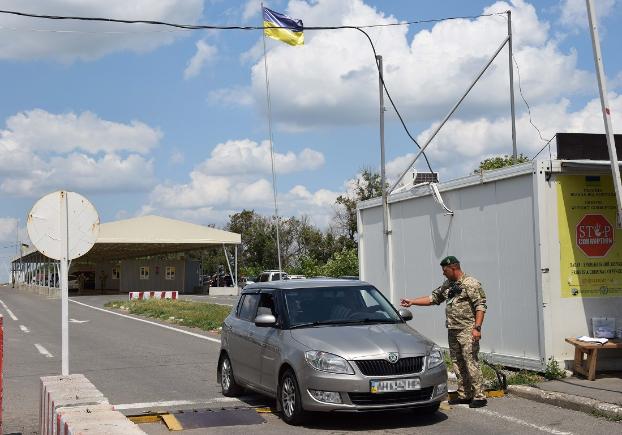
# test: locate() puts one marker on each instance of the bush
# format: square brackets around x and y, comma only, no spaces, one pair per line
[553,370]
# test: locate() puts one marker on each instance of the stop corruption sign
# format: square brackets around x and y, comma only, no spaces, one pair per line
[594,235]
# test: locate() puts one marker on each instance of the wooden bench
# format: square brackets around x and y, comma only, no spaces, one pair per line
[587,366]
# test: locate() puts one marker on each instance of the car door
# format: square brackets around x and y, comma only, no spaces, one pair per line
[267,344]
[240,344]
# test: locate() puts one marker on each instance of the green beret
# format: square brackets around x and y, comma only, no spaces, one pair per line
[449,260]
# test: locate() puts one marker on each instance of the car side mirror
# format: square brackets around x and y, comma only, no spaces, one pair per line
[405,314]
[266,320]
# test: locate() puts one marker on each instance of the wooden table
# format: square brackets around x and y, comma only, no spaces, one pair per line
[587,366]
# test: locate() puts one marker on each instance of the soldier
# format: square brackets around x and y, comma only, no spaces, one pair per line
[466,305]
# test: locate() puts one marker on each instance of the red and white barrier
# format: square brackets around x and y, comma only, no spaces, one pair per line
[1,357]
[153,295]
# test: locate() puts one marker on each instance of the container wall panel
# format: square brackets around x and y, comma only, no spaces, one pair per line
[374,266]
[492,233]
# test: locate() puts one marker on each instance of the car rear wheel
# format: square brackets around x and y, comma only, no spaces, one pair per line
[289,399]
[227,381]
[428,409]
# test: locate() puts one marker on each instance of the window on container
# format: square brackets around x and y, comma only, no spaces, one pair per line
[170,273]
[144,272]
[116,272]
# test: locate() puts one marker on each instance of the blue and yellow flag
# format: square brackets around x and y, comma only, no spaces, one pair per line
[282,28]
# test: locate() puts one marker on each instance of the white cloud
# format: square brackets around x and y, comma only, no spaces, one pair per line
[205,53]
[7,230]
[91,40]
[43,131]
[251,8]
[237,176]
[574,12]
[248,157]
[44,151]
[461,145]
[332,79]
[235,96]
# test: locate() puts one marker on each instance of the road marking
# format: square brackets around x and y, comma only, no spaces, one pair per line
[78,321]
[24,329]
[215,340]
[124,406]
[523,422]
[43,351]
[8,311]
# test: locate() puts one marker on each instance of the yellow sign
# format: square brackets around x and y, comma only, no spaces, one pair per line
[590,242]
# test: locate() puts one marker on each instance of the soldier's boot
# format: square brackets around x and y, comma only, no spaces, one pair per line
[478,403]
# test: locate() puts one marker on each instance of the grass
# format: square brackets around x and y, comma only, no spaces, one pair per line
[607,416]
[514,377]
[207,317]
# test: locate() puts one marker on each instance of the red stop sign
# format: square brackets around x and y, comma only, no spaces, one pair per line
[594,235]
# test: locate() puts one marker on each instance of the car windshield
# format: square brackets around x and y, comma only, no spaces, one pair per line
[338,306]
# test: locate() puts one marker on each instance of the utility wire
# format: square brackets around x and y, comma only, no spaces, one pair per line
[218,27]
[384,85]
[520,89]
[545,145]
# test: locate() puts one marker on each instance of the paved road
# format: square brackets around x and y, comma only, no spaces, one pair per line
[508,415]
[140,365]
[129,361]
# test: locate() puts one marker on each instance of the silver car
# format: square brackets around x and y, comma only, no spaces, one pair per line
[328,345]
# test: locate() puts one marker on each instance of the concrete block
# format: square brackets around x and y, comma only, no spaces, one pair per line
[102,422]
[224,291]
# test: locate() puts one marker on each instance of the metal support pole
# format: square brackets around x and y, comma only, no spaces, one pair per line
[514,151]
[269,102]
[236,265]
[604,101]
[385,224]
[451,112]
[64,272]
[228,264]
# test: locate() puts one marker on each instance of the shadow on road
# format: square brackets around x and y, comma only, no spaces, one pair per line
[366,421]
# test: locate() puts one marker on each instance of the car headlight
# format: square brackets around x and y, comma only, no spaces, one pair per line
[435,357]
[327,362]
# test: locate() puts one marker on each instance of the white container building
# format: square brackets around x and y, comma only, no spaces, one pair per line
[542,238]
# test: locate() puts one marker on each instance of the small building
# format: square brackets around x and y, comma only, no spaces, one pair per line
[542,237]
[147,253]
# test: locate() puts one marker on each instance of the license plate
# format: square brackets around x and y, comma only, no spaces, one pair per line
[392,385]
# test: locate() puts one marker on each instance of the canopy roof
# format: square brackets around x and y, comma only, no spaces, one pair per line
[152,235]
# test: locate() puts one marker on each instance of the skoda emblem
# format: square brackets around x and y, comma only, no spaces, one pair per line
[393,357]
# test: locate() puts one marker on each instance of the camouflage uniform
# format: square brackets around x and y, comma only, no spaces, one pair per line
[464,297]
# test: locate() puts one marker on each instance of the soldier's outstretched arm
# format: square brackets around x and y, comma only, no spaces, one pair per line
[421,301]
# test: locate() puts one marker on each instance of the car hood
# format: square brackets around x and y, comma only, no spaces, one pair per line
[364,341]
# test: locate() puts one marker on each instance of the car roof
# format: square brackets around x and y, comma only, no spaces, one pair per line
[304,284]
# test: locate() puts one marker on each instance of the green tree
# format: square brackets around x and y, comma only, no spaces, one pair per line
[257,251]
[500,162]
[344,263]
[367,185]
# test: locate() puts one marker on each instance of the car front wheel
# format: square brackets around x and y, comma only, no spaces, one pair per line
[227,381]
[289,399]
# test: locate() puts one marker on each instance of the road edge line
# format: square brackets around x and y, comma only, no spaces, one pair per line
[192,334]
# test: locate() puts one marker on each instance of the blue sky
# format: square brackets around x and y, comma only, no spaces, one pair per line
[150,120]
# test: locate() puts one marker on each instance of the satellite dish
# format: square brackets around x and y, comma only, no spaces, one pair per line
[44,225]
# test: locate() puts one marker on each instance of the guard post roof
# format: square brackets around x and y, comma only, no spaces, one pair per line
[151,235]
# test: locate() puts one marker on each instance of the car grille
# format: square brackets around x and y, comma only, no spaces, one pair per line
[394,398]
[381,367]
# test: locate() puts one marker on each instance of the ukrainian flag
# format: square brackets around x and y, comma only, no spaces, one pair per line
[282,28]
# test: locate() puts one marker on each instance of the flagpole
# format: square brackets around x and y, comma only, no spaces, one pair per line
[276,209]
